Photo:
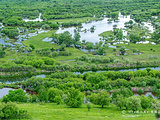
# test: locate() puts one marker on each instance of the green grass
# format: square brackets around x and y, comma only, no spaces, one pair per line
[51,111]
[106,33]
[84,19]
[75,53]
[147,54]
[37,41]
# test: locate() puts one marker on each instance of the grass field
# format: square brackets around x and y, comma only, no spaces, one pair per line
[84,19]
[51,111]
[106,33]
[37,40]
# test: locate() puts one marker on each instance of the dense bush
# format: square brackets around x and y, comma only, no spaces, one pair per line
[11,111]
[73,98]
[15,96]
[101,98]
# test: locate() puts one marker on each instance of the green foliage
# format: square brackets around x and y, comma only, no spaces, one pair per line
[158,94]
[89,106]
[76,37]
[45,26]
[123,92]
[11,111]
[133,103]
[154,89]
[42,94]
[101,98]
[62,47]
[94,79]
[66,38]
[140,91]
[2,53]
[32,46]
[145,102]
[52,93]
[15,96]
[48,61]
[156,107]
[122,50]
[73,98]
[58,99]
[121,101]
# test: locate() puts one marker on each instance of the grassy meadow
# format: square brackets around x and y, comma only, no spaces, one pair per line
[51,111]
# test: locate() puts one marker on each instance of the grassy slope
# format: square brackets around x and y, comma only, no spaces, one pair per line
[51,111]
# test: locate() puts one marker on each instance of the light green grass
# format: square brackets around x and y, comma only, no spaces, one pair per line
[50,111]
[106,33]
[37,40]
[75,53]
[84,19]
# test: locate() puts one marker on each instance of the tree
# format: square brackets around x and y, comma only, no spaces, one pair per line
[158,94]
[122,50]
[156,35]
[73,98]
[89,45]
[76,37]
[101,50]
[52,93]
[145,102]
[100,98]
[156,106]
[45,26]
[66,38]
[55,38]
[134,38]
[89,106]
[15,96]
[42,94]
[121,101]
[133,103]
[119,35]
[2,53]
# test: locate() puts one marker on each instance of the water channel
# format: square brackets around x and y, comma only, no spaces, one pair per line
[5,91]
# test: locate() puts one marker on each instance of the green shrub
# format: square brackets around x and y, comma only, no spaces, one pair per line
[15,96]
[140,91]
[11,111]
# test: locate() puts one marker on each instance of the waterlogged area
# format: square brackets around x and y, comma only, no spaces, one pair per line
[100,27]
[19,79]
[37,19]
[85,33]
[4,91]
[153,68]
